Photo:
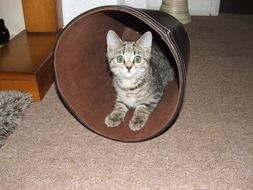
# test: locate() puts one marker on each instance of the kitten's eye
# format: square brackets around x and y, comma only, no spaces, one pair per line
[137,59]
[120,59]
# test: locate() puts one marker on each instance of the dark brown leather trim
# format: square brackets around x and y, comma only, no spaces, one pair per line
[79,62]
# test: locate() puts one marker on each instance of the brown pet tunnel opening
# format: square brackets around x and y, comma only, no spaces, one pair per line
[82,75]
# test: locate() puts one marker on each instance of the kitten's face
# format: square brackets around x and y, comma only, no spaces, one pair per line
[128,59]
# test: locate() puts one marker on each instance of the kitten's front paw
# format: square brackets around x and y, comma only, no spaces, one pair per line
[136,123]
[113,120]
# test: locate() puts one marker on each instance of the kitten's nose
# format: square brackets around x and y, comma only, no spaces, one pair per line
[129,67]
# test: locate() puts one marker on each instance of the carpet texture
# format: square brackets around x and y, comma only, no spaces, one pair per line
[209,147]
[13,105]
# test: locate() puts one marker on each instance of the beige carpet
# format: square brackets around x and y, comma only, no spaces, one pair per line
[209,147]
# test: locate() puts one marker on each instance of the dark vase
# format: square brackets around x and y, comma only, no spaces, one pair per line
[4,33]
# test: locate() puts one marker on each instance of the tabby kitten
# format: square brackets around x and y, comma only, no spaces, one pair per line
[140,74]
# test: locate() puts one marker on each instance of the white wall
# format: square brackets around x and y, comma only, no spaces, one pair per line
[154,4]
[196,7]
[11,10]
[12,13]
[134,3]
[72,8]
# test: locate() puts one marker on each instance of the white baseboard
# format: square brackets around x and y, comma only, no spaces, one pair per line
[196,7]
[215,7]
[204,7]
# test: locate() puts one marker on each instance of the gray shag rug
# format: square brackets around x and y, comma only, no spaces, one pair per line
[13,105]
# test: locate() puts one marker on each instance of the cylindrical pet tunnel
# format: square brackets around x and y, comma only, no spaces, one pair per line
[82,75]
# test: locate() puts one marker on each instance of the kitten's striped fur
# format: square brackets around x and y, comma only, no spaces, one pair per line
[140,75]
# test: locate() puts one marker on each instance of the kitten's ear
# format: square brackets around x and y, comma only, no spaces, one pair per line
[145,41]
[113,40]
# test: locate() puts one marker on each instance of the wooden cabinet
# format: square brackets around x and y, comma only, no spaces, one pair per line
[26,63]
[42,15]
